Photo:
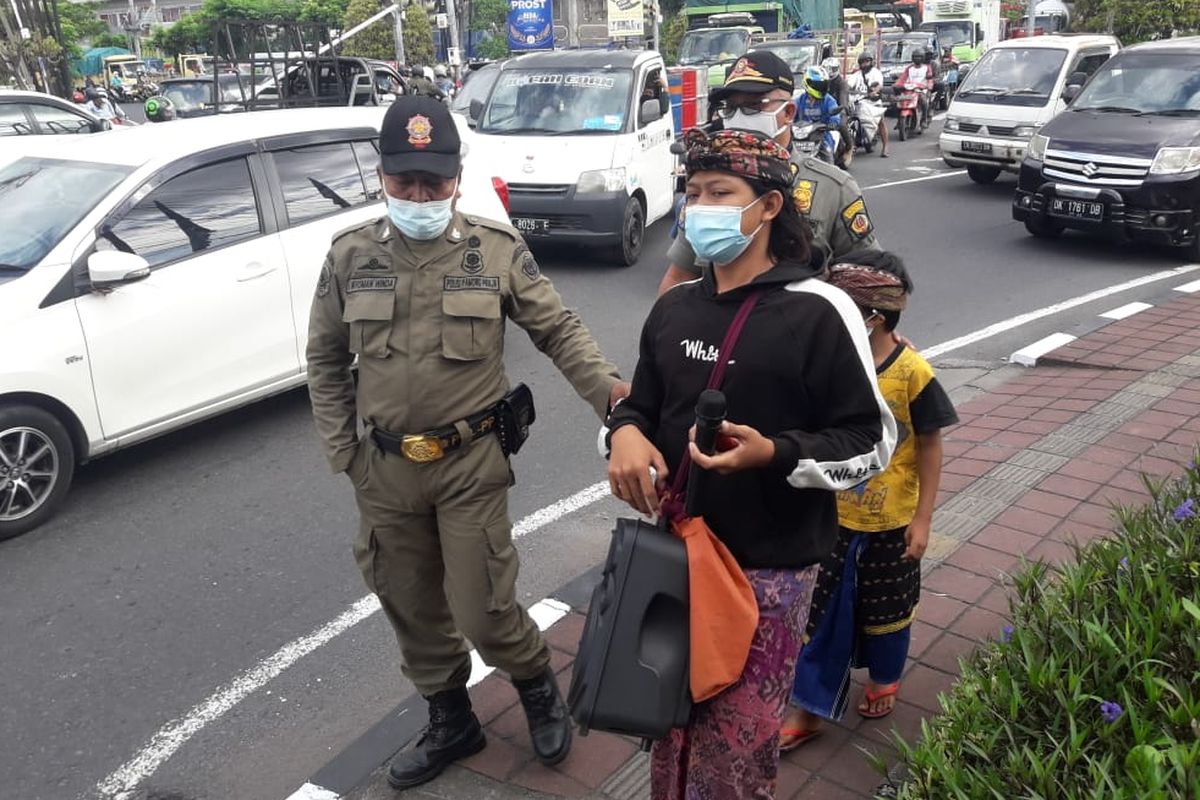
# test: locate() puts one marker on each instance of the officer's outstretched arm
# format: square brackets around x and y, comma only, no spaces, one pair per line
[330,384]
[535,305]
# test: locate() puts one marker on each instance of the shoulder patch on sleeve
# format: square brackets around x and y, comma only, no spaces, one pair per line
[524,259]
[855,218]
[323,281]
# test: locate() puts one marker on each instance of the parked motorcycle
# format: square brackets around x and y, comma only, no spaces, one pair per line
[817,139]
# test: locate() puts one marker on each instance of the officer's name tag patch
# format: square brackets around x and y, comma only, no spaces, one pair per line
[461,283]
[380,284]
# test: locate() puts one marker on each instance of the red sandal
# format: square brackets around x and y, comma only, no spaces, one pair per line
[864,710]
[796,737]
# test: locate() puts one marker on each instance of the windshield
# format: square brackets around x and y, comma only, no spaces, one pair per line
[951,34]
[1014,76]
[567,101]
[898,51]
[703,47]
[188,96]
[1147,83]
[43,200]
[798,57]
[474,88]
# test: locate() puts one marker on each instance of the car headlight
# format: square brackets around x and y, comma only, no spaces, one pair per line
[601,180]
[1174,160]
[1037,146]
[1025,131]
[951,124]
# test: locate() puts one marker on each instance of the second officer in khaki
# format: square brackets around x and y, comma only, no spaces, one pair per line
[421,298]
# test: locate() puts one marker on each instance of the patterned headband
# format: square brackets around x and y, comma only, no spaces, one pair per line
[869,287]
[743,153]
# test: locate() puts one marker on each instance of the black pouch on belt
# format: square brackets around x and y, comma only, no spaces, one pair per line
[514,415]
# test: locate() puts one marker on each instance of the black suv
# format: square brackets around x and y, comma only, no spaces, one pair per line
[1125,156]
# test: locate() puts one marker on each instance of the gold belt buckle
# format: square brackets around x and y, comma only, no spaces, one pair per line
[421,449]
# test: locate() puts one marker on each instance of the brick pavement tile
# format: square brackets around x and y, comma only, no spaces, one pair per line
[1006,540]
[921,685]
[1157,466]
[923,634]
[1072,531]
[991,422]
[593,758]
[1105,455]
[939,611]
[498,760]
[493,696]
[1128,443]
[968,433]
[816,754]
[538,778]
[996,600]
[1114,383]
[1145,430]
[791,779]
[990,451]
[1054,415]
[566,632]
[905,720]
[1070,404]
[952,449]
[820,789]
[1182,402]
[981,405]
[945,652]
[1028,402]
[1011,412]
[1183,438]
[511,725]
[849,766]
[957,583]
[1073,488]
[1052,552]
[1085,393]
[1047,503]
[1094,514]
[1178,455]
[983,560]
[1193,425]
[1145,362]
[1094,471]
[1027,521]
[953,483]
[1126,479]
[967,466]
[1038,427]
[979,623]
[1122,497]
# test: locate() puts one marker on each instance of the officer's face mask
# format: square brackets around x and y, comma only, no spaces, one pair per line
[764,122]
[422,221]
[715,232]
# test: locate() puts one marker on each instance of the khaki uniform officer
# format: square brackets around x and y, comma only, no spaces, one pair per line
[420,298]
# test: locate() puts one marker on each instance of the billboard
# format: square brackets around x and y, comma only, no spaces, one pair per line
[625,18]
[530,25]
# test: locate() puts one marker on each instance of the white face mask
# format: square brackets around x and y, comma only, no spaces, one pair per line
[762,122]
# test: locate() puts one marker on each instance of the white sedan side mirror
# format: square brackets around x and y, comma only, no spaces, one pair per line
[108,268]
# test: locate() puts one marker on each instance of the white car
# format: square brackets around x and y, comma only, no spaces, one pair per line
[38,114]
[168,279]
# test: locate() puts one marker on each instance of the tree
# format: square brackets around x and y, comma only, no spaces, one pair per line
[672,37]
[108,39]
[375,41]
[418,36]
[1136,20]
[329,13]
[491,18]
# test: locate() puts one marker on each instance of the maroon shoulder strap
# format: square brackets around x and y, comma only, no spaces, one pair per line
[717,376]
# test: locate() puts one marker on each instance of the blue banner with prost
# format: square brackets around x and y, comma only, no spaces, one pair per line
[530,25]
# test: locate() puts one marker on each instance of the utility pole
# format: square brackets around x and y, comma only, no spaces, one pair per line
[655,22]
[452,21]
[1030,27]
[398,30]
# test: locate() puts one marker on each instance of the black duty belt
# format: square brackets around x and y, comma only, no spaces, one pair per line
[423,448]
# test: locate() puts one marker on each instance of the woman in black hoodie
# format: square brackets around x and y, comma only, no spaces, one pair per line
[805,420]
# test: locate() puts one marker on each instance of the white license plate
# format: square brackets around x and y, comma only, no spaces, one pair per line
[806,146]
[527,225]
[976,147]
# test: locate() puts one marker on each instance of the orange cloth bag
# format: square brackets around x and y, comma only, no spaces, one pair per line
[723,612]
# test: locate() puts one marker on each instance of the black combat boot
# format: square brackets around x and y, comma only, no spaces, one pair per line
[549,723]
[454,732]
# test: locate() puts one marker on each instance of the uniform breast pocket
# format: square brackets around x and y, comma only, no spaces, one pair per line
[471,325]
[369,315]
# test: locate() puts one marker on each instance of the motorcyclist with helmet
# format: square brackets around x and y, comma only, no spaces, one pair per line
[816,104]
[839,90]
[919,78]
[866,89]
[159,109]
[441,79]
[100,106]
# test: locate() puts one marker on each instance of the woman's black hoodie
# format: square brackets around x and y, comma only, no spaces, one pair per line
[802,374]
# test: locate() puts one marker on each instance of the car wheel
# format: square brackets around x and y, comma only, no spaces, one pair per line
[37,462]
[633,233]
[1042,228]
[983,175]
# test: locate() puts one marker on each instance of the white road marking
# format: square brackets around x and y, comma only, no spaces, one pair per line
[919,168]
[916,180]
[1030,316]
[1028,356]
[121,784]
[1189,288]
[312,792]
[1127,310]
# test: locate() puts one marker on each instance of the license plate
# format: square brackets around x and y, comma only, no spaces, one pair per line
[1080,209]
[527,225]
[806,147]
[976,147]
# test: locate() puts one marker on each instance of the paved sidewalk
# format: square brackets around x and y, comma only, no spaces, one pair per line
[1036,463]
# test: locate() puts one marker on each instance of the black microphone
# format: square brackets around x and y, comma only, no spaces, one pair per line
[710,413]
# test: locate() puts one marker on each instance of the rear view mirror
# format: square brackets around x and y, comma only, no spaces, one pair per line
[109,268]
[1077,79]
[1071,92]
[650,111]
[475,111]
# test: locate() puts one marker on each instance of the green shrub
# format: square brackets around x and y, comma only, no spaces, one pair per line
[1094,690]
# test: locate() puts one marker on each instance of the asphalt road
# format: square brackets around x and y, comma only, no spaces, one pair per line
[180,564]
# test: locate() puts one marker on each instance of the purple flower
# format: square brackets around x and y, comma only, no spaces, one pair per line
[1186,510]
[1111,711]
[1006,634]
[1123,564]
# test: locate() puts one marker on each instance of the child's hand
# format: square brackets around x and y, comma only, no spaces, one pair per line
[917,539]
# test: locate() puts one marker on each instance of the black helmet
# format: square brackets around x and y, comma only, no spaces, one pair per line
[159,109]
[865,57]
[918,56]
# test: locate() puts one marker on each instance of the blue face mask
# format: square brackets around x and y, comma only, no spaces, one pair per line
[715,232]
[422,221]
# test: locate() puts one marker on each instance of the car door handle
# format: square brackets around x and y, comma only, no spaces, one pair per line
[255,270]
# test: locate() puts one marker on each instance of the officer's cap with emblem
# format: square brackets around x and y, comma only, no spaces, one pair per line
[419,135]
[757,72]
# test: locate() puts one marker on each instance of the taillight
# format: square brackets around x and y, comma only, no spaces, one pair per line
[502,192]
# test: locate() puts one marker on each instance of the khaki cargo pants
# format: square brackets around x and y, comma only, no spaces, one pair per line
[435,545]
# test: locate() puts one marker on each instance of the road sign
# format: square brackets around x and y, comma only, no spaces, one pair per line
[443,21]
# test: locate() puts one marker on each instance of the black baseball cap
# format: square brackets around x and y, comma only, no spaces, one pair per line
[419,135]
[757,72]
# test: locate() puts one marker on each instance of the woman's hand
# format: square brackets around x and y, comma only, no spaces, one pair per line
[629,469]
[750,450]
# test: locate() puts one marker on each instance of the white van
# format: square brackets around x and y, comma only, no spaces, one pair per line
[1015,89]
[583,139]
[169,279]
